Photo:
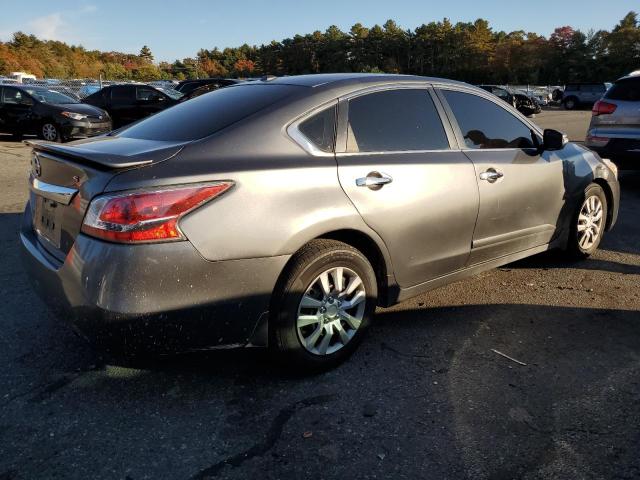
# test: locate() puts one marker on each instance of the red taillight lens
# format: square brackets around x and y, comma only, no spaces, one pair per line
[603,108]
[147,216]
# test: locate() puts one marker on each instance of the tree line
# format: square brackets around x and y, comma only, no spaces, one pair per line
[469,51]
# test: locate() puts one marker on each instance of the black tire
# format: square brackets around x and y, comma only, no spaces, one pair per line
[311,261]
[570,103]
[574,249]
[50,131]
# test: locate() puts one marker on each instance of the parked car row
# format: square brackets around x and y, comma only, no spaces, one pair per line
[31,108]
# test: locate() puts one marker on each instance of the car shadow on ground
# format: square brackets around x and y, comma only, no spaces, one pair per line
[426,378]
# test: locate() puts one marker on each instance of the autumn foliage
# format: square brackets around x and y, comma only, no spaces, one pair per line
[473,52]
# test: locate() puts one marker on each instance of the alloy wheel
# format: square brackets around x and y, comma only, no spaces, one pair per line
[49,132]
[331,311]
[590,222]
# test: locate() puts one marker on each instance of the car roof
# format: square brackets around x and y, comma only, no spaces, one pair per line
[345,79]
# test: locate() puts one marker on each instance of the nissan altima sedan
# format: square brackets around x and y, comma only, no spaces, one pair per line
[281,212]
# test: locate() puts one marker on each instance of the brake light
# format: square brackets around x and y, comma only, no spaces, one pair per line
[603,108]
[147,216]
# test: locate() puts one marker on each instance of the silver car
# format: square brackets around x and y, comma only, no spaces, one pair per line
[615,122]
[282,212]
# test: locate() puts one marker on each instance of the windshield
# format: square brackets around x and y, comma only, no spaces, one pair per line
[49,96]
[171,92]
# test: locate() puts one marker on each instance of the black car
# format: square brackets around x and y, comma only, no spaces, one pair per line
[522,102]
[188,86]
[131,102]
[30,110]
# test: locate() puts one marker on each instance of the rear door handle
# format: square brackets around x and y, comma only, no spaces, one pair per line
[491,175]
[374,180]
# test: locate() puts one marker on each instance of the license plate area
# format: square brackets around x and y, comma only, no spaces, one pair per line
[47,220]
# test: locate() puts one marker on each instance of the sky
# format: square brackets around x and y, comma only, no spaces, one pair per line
[178,29]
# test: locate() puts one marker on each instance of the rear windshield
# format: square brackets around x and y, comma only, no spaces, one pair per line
[626,90]
[206,114]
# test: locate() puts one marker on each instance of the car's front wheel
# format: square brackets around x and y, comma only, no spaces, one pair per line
[588,223]
[323,305]
[570,103]
[51,132]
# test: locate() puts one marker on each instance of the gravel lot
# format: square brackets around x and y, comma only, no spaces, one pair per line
[424,397]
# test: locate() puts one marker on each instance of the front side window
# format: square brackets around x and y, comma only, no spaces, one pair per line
[487,125]
[395,120]
[320,129]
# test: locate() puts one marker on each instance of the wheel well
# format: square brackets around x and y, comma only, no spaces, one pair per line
[609,196]
[369,249]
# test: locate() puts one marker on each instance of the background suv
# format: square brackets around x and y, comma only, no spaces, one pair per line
[615,122]
[583,94]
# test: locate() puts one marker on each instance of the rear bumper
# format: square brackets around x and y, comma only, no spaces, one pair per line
[163,298]
[614,143]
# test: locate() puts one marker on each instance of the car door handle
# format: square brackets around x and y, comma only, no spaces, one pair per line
[491,175]
[374,180]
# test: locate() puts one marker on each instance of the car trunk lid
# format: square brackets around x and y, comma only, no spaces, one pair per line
[65,178]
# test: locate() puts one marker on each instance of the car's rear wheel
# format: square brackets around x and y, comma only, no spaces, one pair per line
[51,132]
[588,223]
[323,305]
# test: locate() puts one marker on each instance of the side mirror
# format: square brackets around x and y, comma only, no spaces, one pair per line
[553,139]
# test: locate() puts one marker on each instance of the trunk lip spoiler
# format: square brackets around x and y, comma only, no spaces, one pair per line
[52,148]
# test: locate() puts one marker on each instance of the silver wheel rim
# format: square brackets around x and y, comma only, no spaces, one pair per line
[590,222]
[331,311]
[49,132]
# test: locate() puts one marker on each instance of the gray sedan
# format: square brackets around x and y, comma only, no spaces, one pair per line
[281,212]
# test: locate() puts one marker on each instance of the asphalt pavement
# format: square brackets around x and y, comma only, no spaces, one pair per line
[528,371]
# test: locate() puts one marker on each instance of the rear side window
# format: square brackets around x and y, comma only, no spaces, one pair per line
[625,90]
[320,129]
[206,114]
[487,125]
[395,120]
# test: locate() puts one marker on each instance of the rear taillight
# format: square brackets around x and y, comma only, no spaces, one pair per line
[603,108]
[148,215]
